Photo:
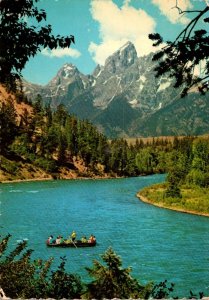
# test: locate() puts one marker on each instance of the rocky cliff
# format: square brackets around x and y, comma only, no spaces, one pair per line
[124,98]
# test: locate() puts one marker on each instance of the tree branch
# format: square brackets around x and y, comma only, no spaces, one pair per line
[191,24]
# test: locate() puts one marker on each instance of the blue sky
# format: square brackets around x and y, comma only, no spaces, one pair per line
[101,27]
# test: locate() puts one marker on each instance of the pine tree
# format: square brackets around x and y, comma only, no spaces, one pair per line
[8,124]
[112,281]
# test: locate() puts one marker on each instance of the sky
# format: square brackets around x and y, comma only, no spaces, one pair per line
[101,27]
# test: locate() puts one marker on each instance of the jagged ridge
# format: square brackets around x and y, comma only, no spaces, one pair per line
[124,98]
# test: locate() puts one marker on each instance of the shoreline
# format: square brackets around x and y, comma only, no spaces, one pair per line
[146,200]
[26,180]
[53,179]
[139,196]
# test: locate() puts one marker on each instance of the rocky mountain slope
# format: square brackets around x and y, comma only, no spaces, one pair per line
[124,98]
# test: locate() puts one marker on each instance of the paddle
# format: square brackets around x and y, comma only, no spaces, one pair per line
[74,244]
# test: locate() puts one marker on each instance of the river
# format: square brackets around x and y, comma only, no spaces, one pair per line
[157,243]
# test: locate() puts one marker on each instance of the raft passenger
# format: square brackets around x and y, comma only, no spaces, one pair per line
[84,239]
[73,236]
[58,240]
[49,240]
[91,239]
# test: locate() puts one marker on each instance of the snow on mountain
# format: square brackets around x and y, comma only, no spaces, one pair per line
[123,97]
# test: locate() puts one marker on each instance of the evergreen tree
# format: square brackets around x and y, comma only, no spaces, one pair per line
[111,281]
[62,147]
[173,189]
[178,170]
[48,115]
[71,135]
[199,172]
[144,160]
[38,105]
[8,125]
[60,115]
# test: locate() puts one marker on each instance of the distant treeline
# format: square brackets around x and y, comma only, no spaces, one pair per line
[53,139]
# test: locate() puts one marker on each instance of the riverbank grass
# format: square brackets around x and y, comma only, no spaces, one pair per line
[194,199]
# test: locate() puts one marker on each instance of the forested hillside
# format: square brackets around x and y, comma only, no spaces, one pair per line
[187,186]
[37,142]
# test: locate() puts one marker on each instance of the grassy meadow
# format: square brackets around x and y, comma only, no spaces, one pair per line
[194,199]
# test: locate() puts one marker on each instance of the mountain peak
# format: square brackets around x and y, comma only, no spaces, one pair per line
[65,74]
[68,70]
[129,45]
[122,58]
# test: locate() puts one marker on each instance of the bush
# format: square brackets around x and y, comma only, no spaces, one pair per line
[111,281]
[198,177]
[46,164]
[9,166]
[23,278]
[173,191]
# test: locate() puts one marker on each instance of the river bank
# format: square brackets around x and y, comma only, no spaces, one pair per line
[188,204]
[69,176]
[18,171]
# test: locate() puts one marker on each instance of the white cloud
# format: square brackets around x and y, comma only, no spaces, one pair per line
[61,52]
[119,25]
[167,8]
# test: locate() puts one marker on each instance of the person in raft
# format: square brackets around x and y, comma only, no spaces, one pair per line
[84,239]
[73,236]
[58,240]
[92,239]
[49,240]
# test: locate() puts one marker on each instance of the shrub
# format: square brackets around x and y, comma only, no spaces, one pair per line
[46,164]
[23,278]
[197,177]
[9,166]
[111,281]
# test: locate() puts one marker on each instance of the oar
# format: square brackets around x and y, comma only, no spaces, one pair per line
[74,244]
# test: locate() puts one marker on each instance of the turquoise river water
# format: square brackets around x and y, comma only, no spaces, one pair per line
[157,243]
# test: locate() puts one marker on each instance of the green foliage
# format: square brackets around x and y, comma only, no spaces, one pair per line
[118,156]
[111,281]
[173,191]
[198,173]
[198,177]
[16,272]
[174,178]
[64,285]
[22,36]
[179,166]
[162,290]
[193,198]
[47,164]
[8,125]
[52,140]
[60,115]
[180,57]
[9,166]
[21,145]
[23,278]
[145,160]
[200,152]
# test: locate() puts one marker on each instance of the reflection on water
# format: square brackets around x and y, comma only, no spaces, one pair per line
[159,244]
